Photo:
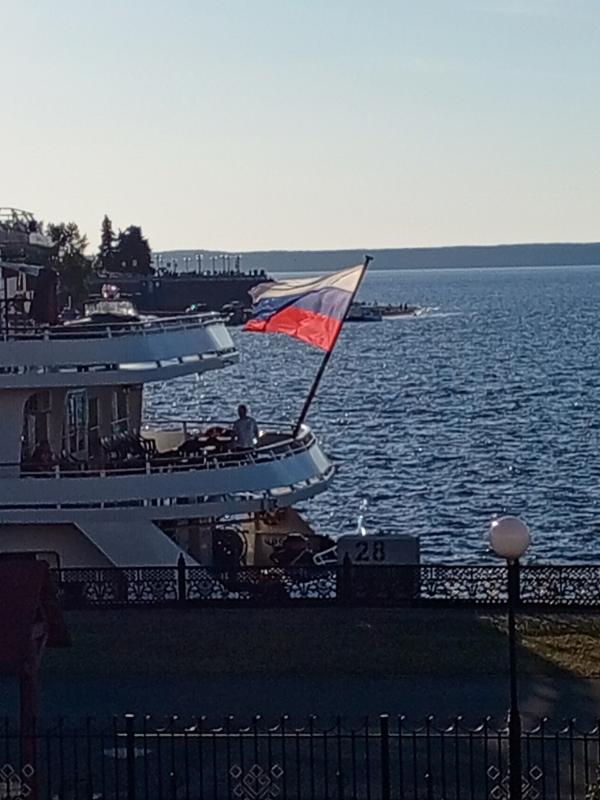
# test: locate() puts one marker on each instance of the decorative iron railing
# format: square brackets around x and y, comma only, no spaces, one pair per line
[558,586]
[379,758]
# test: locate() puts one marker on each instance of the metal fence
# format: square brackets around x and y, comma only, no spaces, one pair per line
[553,586]
[383,758]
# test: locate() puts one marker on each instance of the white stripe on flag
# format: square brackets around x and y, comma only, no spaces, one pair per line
[345,279]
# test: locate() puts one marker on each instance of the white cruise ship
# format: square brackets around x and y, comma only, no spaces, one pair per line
[85,481]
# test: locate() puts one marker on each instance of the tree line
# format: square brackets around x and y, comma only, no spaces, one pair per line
[126,251]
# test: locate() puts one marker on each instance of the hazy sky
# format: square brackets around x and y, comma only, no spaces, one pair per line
[264,124]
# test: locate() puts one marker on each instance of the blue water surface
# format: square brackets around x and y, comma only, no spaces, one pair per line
[486,404]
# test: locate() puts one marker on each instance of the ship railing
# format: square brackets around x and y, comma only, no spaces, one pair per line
[110,330]
[281,445]
[191,427]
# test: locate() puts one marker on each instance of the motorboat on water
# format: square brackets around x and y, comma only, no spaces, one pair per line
[375,312]
[363,312]
[401,310]
[86,481]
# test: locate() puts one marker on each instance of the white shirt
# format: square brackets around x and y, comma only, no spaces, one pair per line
[245,432]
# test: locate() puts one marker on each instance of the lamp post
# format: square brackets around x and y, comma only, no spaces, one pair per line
[509,539]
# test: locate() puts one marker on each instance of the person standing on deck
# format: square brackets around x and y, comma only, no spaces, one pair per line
[245,430]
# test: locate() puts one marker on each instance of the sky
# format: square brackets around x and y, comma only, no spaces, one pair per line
[305,124]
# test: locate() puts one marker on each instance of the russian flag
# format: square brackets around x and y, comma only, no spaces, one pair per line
[310,309]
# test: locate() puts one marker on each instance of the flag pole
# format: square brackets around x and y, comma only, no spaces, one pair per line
[327,356]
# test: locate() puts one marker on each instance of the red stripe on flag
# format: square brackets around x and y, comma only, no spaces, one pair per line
[300,323]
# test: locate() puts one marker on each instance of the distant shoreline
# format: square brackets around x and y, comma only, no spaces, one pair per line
[463,256]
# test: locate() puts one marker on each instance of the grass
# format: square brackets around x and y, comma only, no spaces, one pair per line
[320,641]
[569,642]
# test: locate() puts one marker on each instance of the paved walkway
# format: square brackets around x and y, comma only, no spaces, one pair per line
[472,697]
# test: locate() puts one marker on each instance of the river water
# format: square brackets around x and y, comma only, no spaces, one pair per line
[486,404]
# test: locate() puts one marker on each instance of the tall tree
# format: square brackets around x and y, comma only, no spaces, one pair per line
[132,253]
[70,261]
[107,243]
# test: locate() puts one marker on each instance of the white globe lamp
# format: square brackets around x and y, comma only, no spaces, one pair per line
[509,537]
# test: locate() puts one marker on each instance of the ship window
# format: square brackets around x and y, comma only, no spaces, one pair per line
[120,411]
[39,403]
[35,421]
[93,427]
[76,432]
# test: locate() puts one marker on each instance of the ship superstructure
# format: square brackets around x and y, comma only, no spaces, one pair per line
[85,480]
[22,238]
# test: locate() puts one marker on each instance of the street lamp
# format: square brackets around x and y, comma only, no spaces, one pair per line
[510,538]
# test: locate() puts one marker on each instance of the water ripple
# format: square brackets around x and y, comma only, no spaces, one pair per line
[488,405]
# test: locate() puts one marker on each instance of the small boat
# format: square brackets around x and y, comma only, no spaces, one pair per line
[362,312]
[401,310]
[374,312]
